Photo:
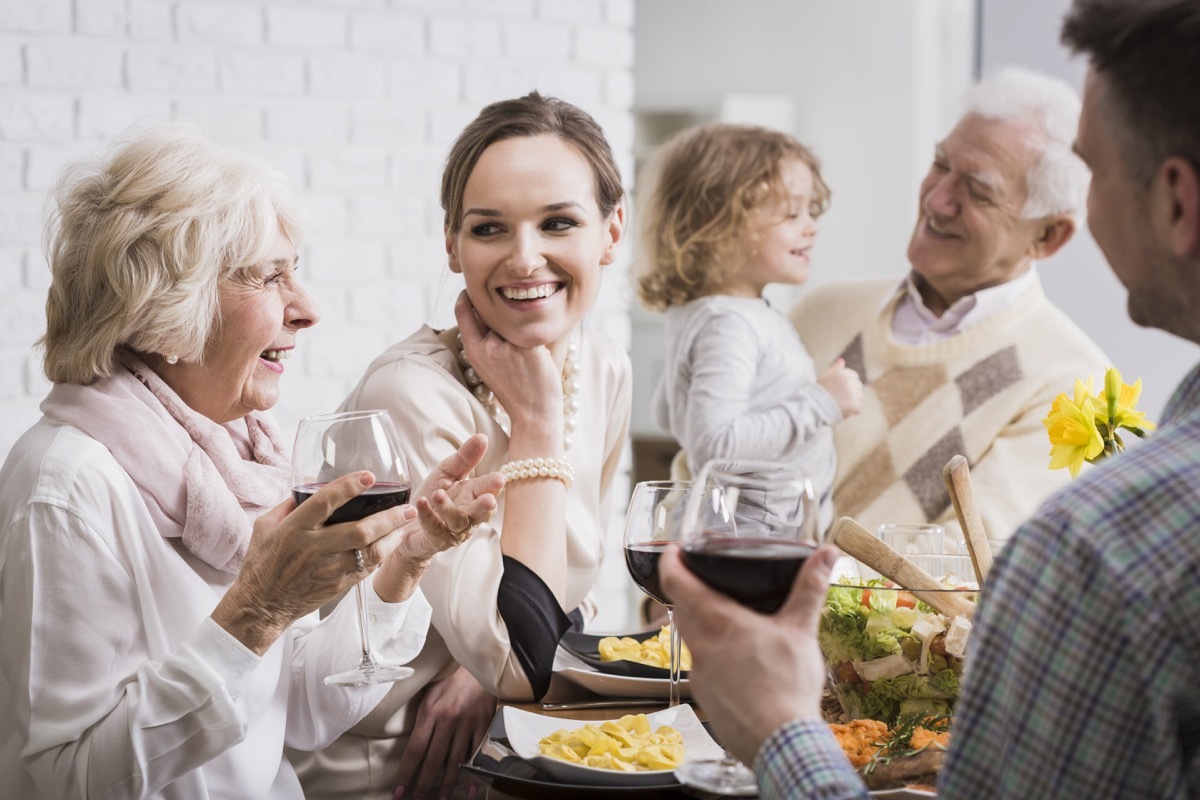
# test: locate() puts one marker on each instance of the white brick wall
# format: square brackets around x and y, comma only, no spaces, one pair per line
[357,100]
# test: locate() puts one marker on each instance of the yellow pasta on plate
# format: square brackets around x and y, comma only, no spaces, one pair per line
[626,744]
[635,750]
[653,652]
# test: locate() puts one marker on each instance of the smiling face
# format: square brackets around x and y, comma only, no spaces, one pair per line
[262,307]
[532,240]
[969,233]
[783,232]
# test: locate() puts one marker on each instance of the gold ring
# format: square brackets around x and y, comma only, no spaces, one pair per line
[360,564]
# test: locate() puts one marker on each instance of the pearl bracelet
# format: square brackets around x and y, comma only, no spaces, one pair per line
[557,468]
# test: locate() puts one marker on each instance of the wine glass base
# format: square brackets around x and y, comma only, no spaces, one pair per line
[730,778]
[363,676]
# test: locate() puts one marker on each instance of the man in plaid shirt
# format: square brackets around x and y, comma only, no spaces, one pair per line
[1084,670]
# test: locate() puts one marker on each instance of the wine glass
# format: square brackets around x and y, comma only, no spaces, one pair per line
[653,522]
[748,528]
[330,446]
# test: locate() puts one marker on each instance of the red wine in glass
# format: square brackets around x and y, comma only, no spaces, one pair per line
[377,498]
[642,561]
[654,520]
[748,528]
[758,573]
[332,446]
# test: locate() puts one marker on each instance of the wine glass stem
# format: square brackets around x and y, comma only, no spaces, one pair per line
[675,657]
[368,662]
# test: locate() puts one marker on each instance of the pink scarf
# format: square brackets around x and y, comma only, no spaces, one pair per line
[189,470]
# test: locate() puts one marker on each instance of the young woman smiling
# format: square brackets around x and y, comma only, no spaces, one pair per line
[533,213]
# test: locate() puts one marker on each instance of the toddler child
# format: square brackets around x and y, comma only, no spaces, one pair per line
[726,210]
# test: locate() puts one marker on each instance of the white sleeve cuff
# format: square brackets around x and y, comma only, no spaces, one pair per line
[231,660]
[397,629]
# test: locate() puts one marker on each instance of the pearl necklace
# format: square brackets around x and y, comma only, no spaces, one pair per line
[570,384]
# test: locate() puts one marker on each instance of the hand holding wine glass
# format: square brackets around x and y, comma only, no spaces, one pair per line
[752,672]
[449,506]
[748,529]
[654,521]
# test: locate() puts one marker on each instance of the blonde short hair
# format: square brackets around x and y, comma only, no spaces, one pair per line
[139,239]
[695,206]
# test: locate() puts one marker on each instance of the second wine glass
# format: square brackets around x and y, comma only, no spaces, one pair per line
[655,520]
[330,446]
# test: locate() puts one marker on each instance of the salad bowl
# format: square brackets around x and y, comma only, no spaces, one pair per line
[888,653]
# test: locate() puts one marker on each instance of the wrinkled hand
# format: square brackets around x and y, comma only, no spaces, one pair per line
[295,563]
[845,385]
[525,380]
[751,672]
[452,720]
[449,506]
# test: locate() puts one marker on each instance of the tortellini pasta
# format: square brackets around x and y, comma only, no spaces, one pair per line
[654,652]
[626,744]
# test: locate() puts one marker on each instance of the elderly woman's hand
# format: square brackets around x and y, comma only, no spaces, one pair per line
[295,562]
[449,505]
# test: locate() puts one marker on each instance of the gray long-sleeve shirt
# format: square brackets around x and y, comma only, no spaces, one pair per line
[739,384]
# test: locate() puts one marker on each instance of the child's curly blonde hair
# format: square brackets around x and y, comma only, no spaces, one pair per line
[695,206]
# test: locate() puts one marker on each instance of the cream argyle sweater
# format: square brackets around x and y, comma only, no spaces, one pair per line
[982,394]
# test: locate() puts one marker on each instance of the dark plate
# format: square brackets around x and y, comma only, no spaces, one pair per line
[496,765]
[586,647]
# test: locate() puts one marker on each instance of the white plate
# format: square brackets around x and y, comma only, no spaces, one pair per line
[525,730]
[622,686]
[902,794]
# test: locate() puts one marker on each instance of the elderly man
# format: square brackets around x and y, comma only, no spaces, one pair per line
[966,354]
[1083,676]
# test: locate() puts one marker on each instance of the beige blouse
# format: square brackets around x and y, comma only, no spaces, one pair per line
[421,384]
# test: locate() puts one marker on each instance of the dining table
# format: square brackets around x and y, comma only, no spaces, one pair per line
[503,775]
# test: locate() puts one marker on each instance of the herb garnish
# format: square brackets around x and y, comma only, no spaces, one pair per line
[899,743]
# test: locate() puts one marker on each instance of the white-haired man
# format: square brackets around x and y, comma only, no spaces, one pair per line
[966,353]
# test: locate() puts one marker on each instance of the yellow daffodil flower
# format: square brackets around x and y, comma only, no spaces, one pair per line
[1122,399]
[1084,427]
[1073,434]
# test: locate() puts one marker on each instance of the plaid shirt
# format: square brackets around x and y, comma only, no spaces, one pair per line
[1084,671]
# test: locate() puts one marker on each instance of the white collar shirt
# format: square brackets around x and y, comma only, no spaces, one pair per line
[914,324]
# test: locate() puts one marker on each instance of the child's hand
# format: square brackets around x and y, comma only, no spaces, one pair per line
[845,386]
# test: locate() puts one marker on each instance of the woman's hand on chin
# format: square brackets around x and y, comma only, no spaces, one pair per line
[450,504]
[525,380]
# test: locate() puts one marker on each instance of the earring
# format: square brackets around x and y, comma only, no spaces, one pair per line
[172,359]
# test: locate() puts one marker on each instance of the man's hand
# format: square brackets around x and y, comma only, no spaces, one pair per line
[751,672]
[452,720]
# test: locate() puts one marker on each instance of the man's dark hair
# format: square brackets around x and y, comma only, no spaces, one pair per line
[1148,52]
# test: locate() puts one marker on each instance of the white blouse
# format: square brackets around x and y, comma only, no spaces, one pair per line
[116,681]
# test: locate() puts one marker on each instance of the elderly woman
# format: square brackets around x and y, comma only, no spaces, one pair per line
[156,583]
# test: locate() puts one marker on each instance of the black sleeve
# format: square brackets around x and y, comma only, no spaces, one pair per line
[535,622]
[575,617]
